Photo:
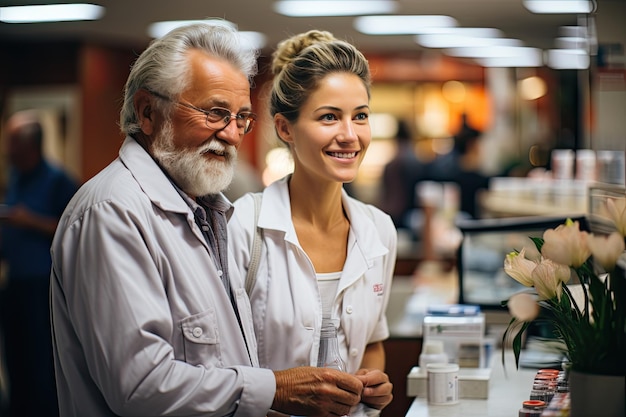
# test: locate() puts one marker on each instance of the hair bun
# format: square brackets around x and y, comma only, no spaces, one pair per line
[288,49]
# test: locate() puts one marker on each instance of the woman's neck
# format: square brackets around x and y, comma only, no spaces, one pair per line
[316,203]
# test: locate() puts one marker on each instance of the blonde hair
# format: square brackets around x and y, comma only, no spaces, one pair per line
[302,61]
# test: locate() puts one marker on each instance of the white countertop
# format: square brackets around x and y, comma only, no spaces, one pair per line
[506,394]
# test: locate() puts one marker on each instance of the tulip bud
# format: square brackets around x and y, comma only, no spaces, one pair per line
[519,268]
[617,212]
[548,278]
[566,245]
[606,250]
[523,306]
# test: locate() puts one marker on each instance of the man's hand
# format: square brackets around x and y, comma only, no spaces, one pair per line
[21,216]
[376,388]
[306,391]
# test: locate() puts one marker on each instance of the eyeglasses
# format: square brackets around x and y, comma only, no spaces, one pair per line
[218,117]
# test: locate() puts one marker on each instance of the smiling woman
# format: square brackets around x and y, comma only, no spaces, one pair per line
[331,257]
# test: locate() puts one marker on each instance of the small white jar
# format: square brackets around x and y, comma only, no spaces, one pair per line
[442,383]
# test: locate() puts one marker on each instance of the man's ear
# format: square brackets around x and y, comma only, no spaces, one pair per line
[142,101]
[283,128]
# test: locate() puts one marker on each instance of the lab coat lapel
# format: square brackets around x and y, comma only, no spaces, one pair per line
[276,208]
[364,243]
[151,179]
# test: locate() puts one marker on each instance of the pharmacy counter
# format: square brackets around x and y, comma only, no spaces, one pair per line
[506,394]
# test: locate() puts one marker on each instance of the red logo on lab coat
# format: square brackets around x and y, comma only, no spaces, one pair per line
[378,288]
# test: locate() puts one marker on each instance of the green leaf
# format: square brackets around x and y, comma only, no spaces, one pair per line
[538,241]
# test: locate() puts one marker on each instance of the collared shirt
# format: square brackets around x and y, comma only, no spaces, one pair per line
[141,325]
[210,215]
[286,302]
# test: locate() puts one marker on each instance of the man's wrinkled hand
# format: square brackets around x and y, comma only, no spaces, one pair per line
[307,391]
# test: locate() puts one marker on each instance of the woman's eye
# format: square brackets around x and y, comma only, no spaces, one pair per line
[328,117]
[362,116]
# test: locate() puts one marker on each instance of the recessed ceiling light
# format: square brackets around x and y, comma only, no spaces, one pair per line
[517,61]
[571,42]
[403,24]
[158,29]
[51,13]
[573,31]
[501,56]
[493,52]
[255,40]
[567,59]
[304,8]
[465,37]
[559,6]
[457,41]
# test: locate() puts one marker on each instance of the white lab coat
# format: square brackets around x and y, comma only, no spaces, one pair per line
[285,300]
[142,325]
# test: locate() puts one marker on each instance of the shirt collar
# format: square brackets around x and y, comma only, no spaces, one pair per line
[215,202]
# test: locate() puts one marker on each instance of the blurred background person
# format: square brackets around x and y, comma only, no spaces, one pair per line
[446,167]
[399,178]
[37,193]
[468,174]
[463,166]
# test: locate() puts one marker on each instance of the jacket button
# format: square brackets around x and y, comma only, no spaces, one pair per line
[354,352]
[349,309]
[197,332]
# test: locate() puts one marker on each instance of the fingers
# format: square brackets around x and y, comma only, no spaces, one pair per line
[350,384]
[377,389]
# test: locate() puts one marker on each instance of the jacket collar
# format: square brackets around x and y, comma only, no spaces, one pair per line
[366,239]
[153,181]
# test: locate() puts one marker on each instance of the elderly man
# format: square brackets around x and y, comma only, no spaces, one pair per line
[148,320]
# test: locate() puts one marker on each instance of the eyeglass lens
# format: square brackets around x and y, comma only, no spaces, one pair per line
[243,120]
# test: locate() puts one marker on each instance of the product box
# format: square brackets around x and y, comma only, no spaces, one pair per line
[462,337]
[473,383]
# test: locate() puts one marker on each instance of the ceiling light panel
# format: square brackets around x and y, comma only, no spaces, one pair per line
[51,13]
[493,52]
[567,59]
[308,8]
[559,6]
[254,40]
[403,24]
[457,41]
[517,61]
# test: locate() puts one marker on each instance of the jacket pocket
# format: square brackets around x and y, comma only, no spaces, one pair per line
[201,339]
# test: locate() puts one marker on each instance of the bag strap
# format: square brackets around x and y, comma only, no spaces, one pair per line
[257,241]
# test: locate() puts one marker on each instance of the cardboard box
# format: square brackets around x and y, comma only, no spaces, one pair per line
[473,383]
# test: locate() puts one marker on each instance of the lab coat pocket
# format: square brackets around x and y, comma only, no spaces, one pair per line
[201,338]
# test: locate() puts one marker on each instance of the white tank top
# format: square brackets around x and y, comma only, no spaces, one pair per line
[327,284]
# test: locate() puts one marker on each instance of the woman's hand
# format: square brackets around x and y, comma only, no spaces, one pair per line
[377,389]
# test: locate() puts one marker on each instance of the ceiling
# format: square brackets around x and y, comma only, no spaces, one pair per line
[125,22]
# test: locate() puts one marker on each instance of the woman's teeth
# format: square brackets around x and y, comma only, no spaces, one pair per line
[342,155]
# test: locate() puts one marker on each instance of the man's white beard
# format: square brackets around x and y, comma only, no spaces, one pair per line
[193,172]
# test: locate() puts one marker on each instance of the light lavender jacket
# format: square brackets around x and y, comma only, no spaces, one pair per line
[141,323]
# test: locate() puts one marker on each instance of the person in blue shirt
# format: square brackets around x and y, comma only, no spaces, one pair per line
[37,193]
